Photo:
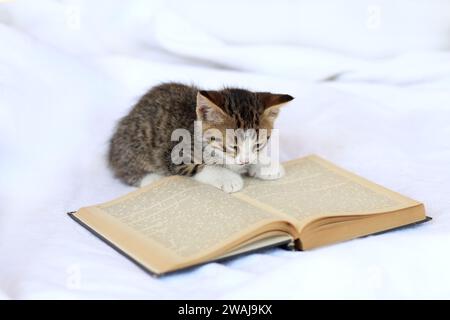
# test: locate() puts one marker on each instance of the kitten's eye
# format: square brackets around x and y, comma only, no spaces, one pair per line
[260,145]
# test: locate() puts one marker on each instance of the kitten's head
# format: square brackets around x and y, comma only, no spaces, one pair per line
[249,115]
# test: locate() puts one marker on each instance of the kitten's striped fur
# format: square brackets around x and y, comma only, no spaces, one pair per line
[141,144]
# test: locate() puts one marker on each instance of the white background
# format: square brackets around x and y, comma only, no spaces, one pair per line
[371,81]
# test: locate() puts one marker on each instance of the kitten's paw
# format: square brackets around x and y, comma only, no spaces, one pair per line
[269,172]
[149,179]
[221,178]
[231,183]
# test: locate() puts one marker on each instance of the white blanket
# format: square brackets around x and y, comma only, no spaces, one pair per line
[388,121]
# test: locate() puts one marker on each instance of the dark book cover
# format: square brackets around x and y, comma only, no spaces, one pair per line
[285,244]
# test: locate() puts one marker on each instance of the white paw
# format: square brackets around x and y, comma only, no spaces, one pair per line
[267,172]
[149,179]
[221,178]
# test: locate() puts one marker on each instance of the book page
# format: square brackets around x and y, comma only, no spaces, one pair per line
[313,187]
[185,216]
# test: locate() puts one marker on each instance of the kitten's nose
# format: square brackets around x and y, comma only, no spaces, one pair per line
[243,161]
[244,158]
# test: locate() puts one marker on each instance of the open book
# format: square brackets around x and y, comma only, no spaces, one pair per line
[177,222]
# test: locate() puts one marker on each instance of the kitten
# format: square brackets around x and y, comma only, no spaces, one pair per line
[140,150]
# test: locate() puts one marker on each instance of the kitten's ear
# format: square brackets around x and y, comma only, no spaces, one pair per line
[272,103]
[208,107]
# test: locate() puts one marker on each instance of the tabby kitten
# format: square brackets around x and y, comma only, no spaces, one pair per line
[140,150]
